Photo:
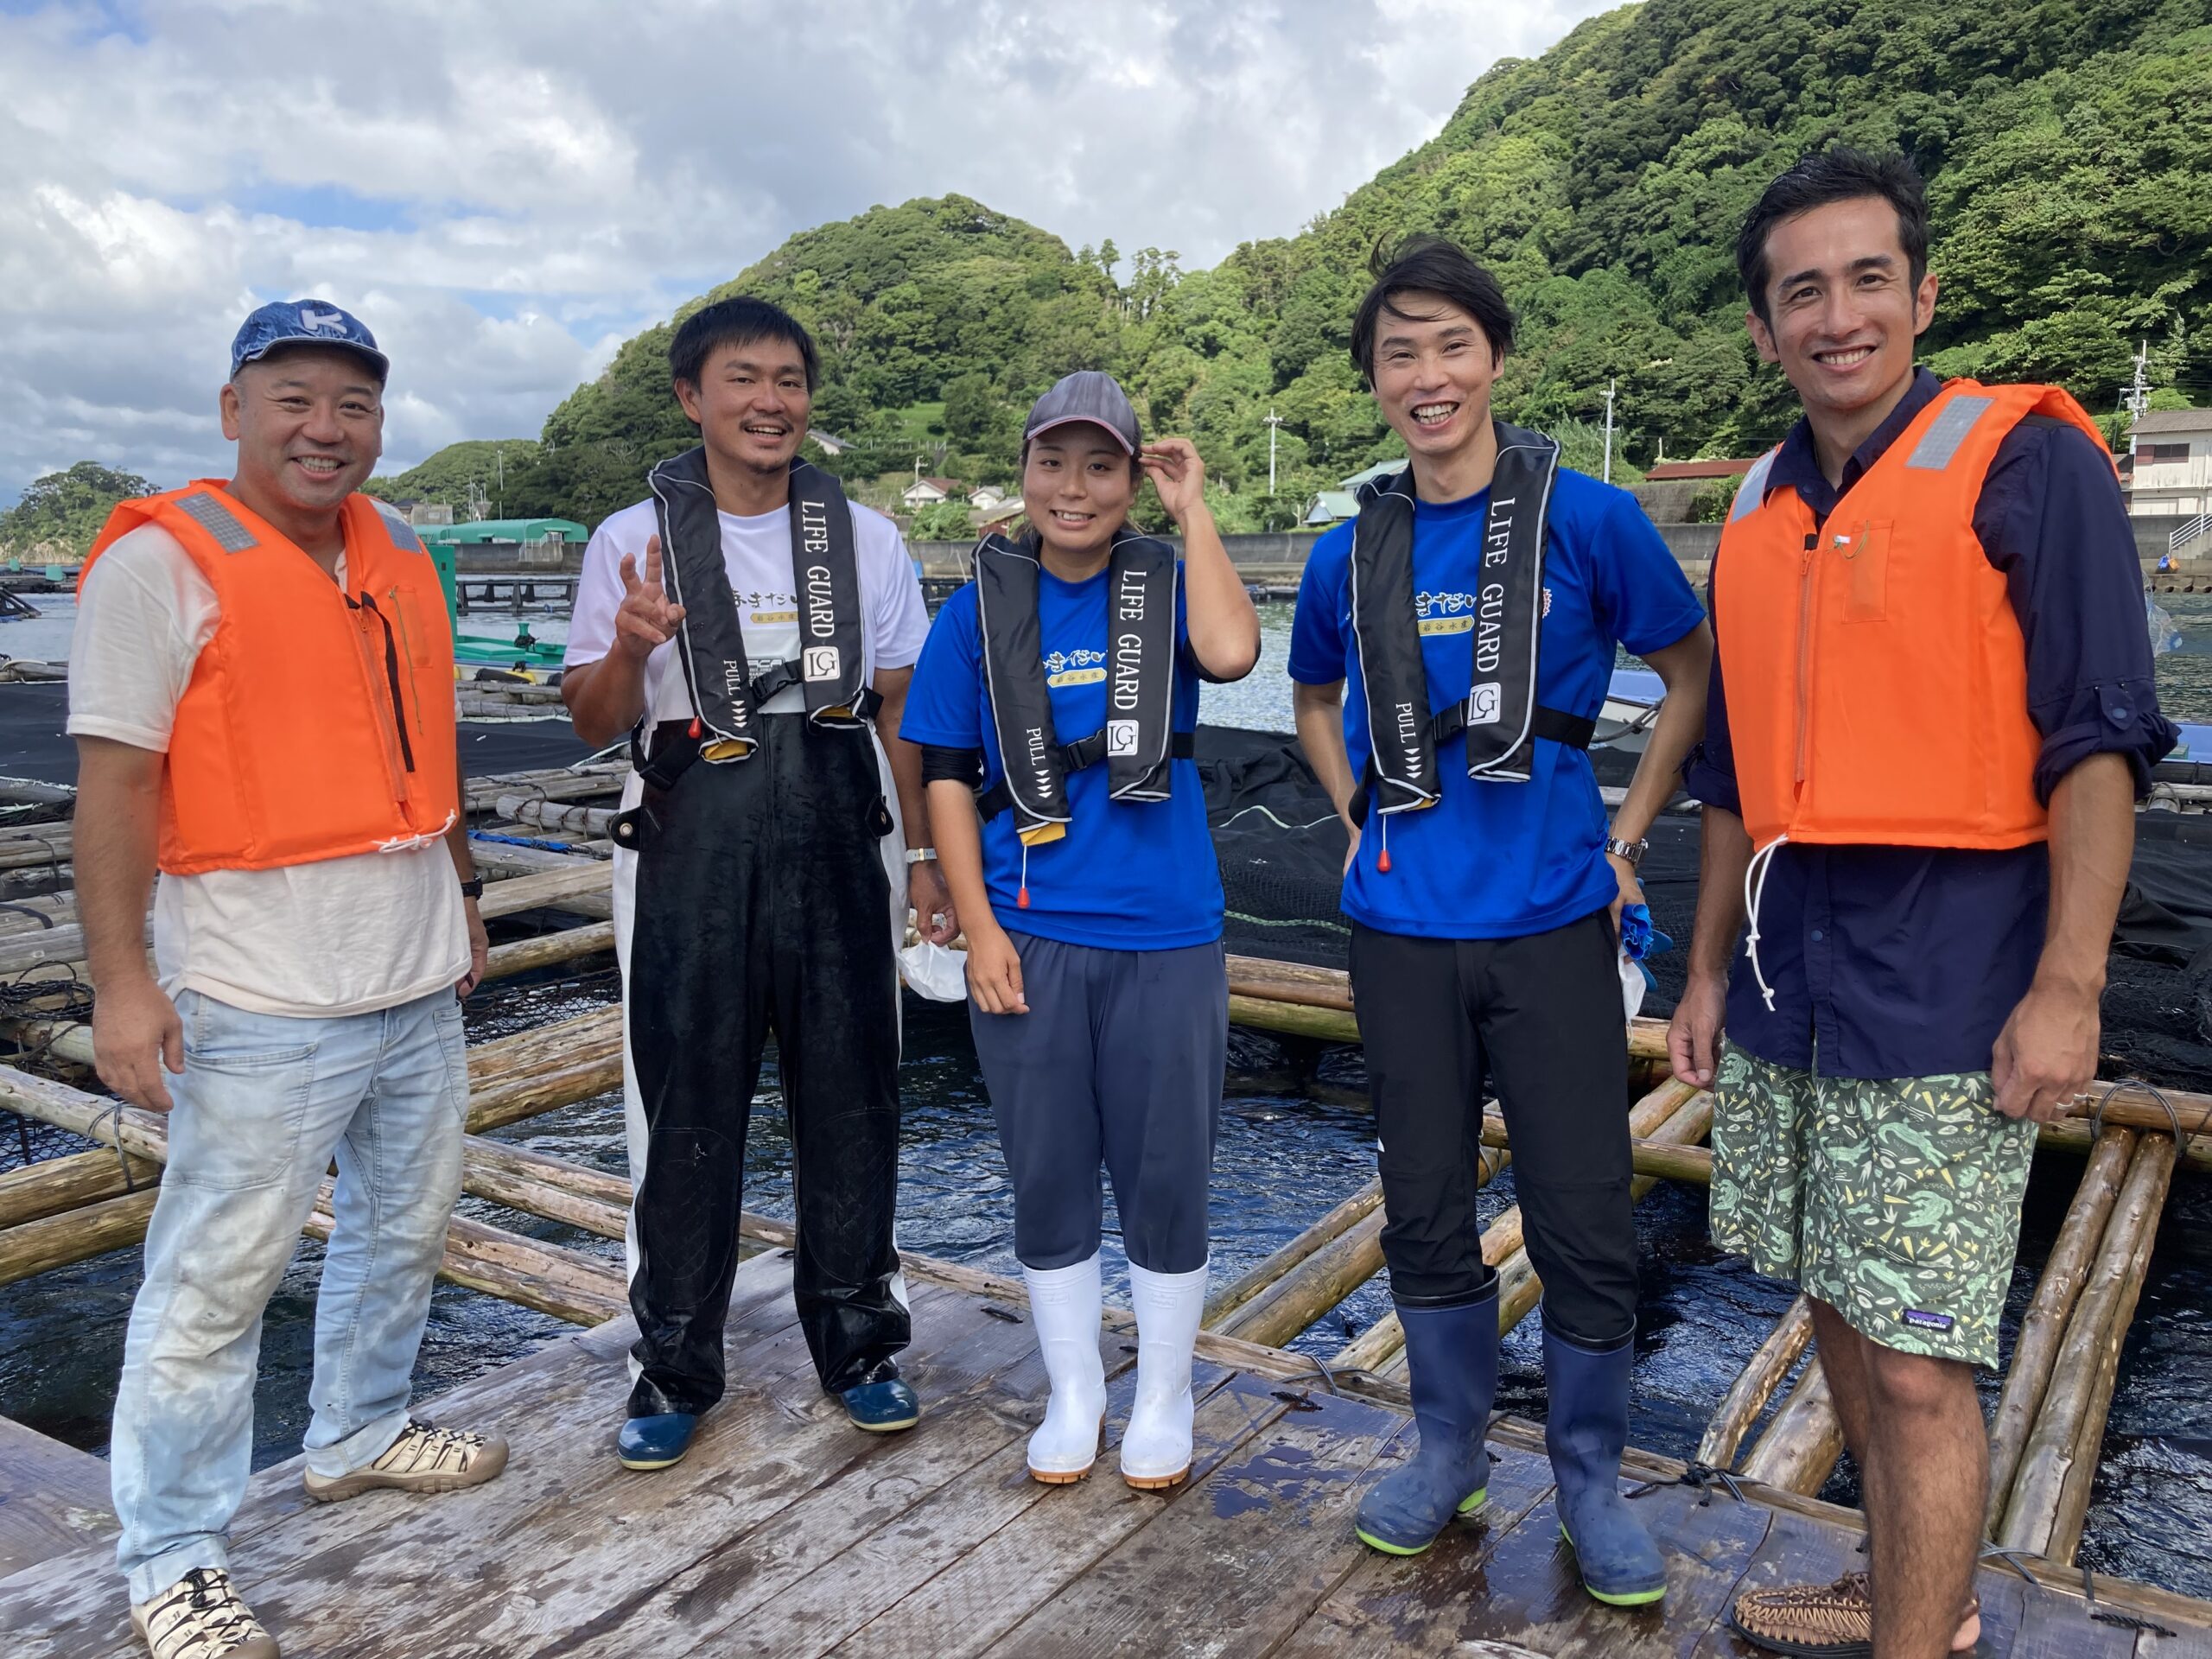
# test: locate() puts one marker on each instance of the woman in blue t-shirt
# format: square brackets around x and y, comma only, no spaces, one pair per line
[1062,686]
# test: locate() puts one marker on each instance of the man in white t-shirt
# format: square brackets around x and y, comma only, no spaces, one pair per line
[261,689]
[758,632]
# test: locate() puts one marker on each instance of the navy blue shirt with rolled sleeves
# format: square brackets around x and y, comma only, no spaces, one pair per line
[1906,961]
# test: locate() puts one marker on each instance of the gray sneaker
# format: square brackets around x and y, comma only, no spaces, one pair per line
[423,1459]
[201,1617]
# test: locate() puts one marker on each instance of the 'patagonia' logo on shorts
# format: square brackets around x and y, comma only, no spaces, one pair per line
[1928,1321]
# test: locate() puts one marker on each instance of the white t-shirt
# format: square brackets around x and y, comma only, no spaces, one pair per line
[757,553]
[339,936]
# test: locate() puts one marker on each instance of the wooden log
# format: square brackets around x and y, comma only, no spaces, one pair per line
[2044,1328]
[534,1093]
[562,889]
[1692,1121]
[1662,1159]
[504,961]
[39,913]
[1799,1448]
[1255,1279]
[558,783]
[1755,1385]
[37,1246]
[2070,1416]
[500,861]
[1310,1290]
[548,815]
[2081,1474]
[2078,1135]
[1293,1020]
[55,1185]
[542,1186]
[583,1036]
[44,848]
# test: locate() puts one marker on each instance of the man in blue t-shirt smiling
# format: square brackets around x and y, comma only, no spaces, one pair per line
[1476,626]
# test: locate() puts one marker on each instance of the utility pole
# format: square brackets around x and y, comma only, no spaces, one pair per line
[1273,422]
[1609,385]
[2137,397]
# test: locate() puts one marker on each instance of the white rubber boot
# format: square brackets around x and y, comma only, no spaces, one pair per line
[1064,1303]
[1156,1449]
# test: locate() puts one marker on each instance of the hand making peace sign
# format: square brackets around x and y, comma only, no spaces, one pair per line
[647,617]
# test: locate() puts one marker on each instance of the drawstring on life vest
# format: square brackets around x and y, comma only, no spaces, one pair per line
[694,728]
[1382,857]
[1022,899]
[1761,867]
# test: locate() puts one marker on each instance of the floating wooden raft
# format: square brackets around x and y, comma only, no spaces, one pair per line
[786,1532]
[2044,1442]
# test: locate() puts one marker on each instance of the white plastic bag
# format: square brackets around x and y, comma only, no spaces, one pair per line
[935,971]
[1633,984]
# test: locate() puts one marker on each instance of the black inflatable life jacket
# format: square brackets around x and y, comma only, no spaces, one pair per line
[831,663]
[1499,715]
[1137,742]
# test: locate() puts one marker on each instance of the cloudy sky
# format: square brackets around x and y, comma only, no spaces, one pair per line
[505,192]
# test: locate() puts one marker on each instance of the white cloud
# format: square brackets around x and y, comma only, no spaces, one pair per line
[504,192]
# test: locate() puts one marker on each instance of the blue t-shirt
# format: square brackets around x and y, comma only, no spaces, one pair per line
[1128,875]
[1497,859]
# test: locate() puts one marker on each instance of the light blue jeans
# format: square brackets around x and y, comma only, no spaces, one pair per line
[265,1102]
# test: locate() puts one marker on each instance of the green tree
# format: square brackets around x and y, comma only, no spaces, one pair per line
[969,406]
[943,521]
[60,513]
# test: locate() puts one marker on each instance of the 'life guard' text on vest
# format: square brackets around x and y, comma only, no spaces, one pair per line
[814,537]
[1128,647]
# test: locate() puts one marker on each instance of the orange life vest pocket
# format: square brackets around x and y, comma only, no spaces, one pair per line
[1864,551]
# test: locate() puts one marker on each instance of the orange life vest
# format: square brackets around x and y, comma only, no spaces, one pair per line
[1877,678]
[318,722]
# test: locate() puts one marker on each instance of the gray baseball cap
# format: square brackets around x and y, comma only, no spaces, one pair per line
[1087,394]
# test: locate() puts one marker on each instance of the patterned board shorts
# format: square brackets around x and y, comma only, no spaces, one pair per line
[1896,1201]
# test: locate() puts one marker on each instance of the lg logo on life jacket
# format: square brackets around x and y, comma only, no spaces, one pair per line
[1121,737]
[1484,703]
[820,662]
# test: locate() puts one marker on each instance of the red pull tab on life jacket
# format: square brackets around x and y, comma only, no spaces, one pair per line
[696,728]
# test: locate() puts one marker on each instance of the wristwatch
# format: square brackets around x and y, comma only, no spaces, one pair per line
[1633,851]
[472,888]
[921,855]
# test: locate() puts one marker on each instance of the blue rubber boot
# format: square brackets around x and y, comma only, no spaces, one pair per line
[657,1441]
[882,1407]
[1452,1363]
[1586,1431]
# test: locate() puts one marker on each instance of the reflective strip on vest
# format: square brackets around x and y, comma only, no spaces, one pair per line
[1751,491]
[1947,432]
[218,521]
[403,533]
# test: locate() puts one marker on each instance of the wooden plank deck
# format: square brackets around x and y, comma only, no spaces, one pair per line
[53,1498]
[786,1532]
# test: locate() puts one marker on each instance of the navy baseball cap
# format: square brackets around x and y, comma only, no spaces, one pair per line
[304,322]
[1087,394]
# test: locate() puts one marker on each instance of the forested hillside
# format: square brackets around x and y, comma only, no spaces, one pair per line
[471,473]
[2068,146]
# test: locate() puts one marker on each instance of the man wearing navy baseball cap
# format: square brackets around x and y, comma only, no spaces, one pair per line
[261,689]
